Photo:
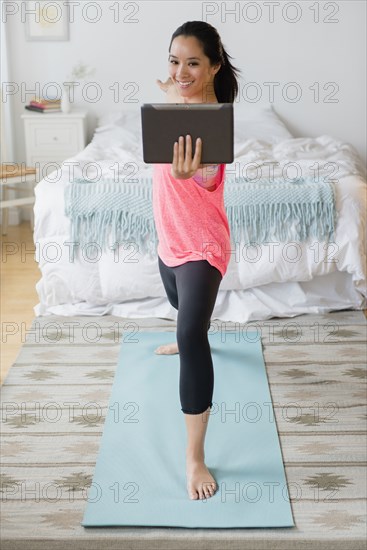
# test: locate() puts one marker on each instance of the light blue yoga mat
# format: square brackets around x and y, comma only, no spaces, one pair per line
[140,476]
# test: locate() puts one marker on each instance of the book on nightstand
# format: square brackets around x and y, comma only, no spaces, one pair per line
[42,105]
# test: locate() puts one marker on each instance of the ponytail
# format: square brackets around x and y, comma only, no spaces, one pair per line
[225,81]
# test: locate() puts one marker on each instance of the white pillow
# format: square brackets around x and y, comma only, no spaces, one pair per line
[127,116]
[251,120]
[259,122]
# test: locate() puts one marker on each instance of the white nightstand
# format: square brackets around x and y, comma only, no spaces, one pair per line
[53,138]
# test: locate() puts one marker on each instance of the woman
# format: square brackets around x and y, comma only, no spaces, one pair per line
[193,233]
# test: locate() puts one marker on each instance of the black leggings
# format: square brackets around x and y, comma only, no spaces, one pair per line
[192,289]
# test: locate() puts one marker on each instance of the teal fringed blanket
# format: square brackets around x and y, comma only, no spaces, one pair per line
[257,212]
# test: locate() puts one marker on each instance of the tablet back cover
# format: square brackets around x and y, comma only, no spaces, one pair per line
[163,123]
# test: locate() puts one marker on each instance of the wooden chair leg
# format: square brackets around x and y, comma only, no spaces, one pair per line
[32,218]
[5,213]
[31,186]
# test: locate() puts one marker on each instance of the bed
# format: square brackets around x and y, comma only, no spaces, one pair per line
[320,281]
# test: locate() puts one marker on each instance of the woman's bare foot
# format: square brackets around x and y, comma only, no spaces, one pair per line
[200,483]
[167,349]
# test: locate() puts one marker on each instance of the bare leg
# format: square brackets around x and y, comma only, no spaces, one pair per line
[200,482]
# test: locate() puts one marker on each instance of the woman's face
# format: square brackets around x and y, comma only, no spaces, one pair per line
[190,69]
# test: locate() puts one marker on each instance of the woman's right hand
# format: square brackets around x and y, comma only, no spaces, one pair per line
[183,165]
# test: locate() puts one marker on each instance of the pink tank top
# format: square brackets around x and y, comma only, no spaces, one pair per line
[191,222]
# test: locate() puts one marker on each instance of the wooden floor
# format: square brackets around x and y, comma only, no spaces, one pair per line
[19,275]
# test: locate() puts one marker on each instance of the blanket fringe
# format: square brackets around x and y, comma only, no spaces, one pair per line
[262,223]
[111,213]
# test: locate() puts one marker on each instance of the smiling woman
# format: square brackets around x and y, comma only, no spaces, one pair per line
[200,72]
[190,216]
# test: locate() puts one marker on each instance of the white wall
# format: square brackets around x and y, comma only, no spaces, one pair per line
[310,53]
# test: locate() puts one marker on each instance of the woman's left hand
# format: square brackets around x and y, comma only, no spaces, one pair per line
[183,165]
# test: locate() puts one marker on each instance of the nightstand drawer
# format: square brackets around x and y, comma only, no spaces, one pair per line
[61,137]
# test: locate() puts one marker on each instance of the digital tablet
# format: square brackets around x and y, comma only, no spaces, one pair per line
[164,123]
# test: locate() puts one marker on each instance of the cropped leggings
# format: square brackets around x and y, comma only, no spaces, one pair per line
[192,289]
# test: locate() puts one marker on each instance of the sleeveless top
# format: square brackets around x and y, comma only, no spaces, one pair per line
[191,222]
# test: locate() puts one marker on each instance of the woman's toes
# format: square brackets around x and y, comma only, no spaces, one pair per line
[198,483]
[167,349]
[209,492]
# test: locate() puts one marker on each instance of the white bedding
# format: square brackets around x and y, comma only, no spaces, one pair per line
[127,283]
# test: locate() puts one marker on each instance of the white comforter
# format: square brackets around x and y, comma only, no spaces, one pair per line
[110,282]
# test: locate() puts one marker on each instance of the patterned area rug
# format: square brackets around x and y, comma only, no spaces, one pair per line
[54,402]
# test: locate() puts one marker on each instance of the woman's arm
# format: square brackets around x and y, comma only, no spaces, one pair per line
[207,176]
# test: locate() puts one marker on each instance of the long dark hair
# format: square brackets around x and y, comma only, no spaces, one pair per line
[225,80]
